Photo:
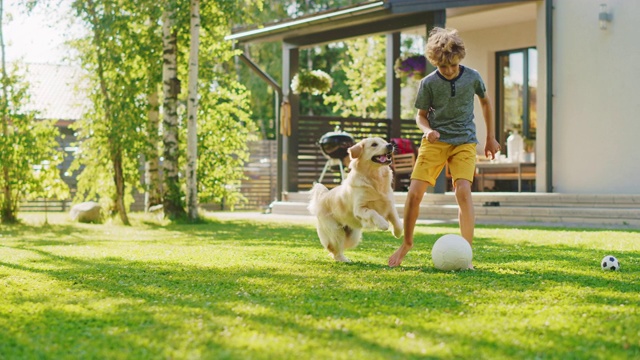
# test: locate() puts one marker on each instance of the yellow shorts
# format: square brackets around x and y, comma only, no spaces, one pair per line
[433,157]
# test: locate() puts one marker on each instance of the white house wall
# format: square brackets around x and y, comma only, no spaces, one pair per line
[596,111]
[482,46]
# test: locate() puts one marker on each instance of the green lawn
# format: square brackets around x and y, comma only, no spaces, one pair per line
[266,290]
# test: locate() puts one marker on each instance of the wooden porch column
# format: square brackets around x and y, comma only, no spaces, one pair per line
[437,19]
[393,84]
[288,145]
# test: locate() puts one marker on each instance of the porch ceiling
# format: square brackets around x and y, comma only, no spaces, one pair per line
[372,17]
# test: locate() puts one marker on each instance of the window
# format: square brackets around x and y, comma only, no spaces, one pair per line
[517,80]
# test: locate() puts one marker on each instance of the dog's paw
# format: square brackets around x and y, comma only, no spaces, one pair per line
[397,231]
[340,257]
[381,223]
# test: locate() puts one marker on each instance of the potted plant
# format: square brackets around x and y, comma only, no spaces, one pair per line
[411,66]
[529,150]
[314,82]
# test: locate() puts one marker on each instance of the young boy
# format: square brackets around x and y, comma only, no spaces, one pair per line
[445,114]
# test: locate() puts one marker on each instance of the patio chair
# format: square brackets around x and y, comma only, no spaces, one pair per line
[402,166]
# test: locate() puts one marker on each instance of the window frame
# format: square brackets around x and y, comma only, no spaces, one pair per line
[526,103]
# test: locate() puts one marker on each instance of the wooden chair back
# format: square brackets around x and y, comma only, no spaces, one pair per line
[403,163]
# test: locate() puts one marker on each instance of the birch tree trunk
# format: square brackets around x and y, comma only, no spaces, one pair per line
[153,194]
[172,203]
[192,113]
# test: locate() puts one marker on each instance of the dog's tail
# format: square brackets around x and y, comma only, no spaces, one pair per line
[315,194]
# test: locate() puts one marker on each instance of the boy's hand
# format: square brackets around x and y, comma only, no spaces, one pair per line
[432,136]
[491,147]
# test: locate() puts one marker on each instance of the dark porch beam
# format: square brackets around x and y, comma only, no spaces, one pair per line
[367,29]
[261,73]
[288,145]
[406,6]
[437,19]
[393,84]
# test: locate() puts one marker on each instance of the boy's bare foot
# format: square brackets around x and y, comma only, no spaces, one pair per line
[471,267]
[398,256]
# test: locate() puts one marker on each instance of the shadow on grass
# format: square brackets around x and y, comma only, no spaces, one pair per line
[44,235]
[155,300]
[112,306]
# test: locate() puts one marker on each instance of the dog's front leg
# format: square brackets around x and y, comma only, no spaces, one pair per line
[395,221]
[370,218]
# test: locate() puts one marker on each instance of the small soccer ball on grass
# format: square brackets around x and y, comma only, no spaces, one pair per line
[610,262]
[451,252]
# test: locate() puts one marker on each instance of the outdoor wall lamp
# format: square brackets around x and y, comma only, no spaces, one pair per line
[604,17]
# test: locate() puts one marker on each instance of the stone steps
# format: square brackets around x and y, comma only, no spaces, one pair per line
[512,208]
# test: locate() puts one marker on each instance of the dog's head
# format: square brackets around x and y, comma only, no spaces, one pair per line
[372,150]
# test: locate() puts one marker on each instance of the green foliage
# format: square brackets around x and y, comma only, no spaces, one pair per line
[268,56]
[116,55]
[365,77]
[29,153]
[224,112]
[224,129]
[314,82]
[267,290]
[132,56]
[263,98]
[328,58]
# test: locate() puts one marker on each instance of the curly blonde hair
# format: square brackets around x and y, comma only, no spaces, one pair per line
[445,47]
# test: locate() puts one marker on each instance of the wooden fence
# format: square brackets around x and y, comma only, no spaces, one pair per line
[311,160]
[260,186]
[261,172]
[42,205]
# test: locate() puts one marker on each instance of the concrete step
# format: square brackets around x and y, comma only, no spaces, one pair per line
[531,208]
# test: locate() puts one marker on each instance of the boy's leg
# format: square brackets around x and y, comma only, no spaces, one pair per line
[466,214]
[417,188]
[462,166]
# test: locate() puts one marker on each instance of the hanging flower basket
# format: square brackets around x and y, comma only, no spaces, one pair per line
[414,66]
[314,82]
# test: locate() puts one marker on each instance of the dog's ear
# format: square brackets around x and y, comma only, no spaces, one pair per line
[355,151]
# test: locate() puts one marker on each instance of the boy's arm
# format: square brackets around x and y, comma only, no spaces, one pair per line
[423,123]
[491,146]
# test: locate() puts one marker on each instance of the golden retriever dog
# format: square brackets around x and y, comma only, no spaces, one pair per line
[363,200]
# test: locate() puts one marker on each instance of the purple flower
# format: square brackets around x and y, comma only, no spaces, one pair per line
[411,66]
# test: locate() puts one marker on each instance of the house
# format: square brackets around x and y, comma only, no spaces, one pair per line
[571,61]
[54,96]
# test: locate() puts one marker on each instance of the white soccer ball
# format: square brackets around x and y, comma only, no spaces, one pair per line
[451,252]
[610,262]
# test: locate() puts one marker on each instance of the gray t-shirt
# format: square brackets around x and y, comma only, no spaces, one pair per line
[449,104]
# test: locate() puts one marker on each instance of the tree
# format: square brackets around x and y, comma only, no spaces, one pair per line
[113,131]
[29,153]
[152,180]
[268,56]
[173,204]
[365,78]
[224,112]
[131,34]
[192,113]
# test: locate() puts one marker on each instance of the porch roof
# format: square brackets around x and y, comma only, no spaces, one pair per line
[366,18]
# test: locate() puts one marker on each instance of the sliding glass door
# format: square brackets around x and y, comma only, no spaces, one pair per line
[517,80]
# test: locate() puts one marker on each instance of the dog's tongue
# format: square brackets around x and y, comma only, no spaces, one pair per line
[383,158]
